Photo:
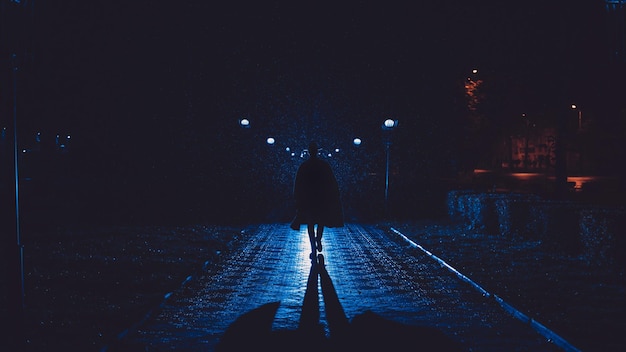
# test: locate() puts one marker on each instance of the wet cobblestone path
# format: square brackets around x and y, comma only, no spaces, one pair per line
[370,268]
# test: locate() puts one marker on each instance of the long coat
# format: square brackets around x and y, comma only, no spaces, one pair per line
[316,195]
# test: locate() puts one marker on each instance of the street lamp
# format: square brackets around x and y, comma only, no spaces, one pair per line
[526,144]
[388,126]
[580,115]
[244,123]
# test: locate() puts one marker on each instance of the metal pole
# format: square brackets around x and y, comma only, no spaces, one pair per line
[387,145]
[20,247]
[14,31]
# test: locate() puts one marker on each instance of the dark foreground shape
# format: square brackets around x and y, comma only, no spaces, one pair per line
[366,332]
[253,331]
[371,332]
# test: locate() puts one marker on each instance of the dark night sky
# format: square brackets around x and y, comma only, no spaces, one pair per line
[129,62]
[157,86]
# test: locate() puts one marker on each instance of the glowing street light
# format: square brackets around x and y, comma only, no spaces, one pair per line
[270,140]
[389,123]
[357,141]
[244,123]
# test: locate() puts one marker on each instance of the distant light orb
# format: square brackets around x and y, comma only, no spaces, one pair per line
[271,140]
[244,122]
[287,149]
[474,71]
[68,136]
[389,123]
[574,106]
[357,141]
[336,150]
[329,155]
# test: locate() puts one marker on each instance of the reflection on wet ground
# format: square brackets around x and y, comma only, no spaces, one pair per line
[107,287]
[369,279]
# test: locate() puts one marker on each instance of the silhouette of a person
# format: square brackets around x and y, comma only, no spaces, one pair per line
[317,199]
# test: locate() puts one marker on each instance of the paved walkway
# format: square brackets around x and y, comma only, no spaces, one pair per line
[369,269]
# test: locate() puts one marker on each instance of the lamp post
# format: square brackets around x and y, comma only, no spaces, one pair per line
[526,142]
[388,126]
[580,115]
[579,140]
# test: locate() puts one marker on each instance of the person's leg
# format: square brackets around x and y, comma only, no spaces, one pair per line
[311,230]
[318,238]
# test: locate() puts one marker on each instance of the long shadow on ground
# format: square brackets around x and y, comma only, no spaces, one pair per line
[366,332]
